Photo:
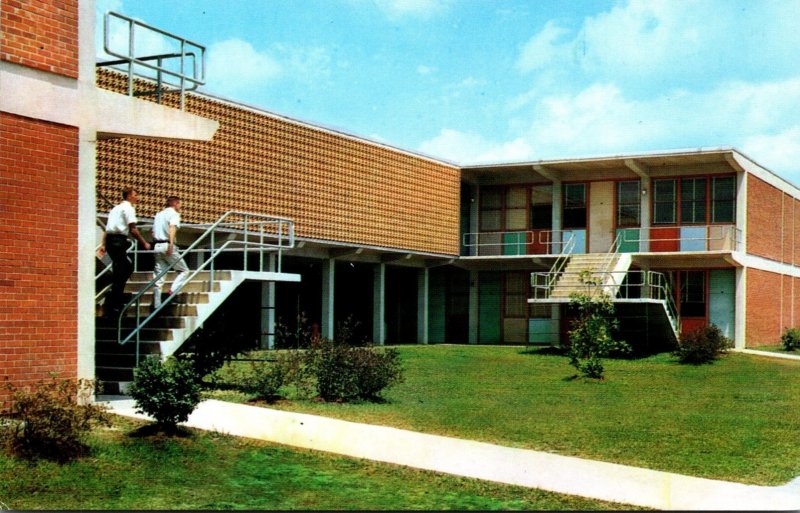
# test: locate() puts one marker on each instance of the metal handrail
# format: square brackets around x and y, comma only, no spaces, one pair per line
[475,239]
[654,284]
[558,266]
[194,79]
[279,225]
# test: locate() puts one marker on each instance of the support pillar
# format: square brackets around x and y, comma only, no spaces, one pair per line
[267,339]
[473,307]
[740,309]
[328,276]
[556,221]
[422,305]
[379,305]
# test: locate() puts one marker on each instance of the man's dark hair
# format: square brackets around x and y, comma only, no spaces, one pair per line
[127,191]
[172,200]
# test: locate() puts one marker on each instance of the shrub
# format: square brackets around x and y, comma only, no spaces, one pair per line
[790,340]
[591,336]
[345,373]
[702,345]
[168,392]
[52,419]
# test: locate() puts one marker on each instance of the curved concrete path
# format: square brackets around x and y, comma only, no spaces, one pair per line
[562,474]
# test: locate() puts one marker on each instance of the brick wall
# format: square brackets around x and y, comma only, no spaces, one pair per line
[41,34]
[38,268]
[765,209]
[765,312]
[335,187]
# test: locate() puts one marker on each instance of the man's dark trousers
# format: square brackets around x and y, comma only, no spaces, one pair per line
[121,269]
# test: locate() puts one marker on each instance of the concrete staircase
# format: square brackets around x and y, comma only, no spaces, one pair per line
[595,267]
[163,335]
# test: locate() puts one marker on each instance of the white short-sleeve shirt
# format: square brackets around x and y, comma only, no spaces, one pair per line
[163,220]
[120,217]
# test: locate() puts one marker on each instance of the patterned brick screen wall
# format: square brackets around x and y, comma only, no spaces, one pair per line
[38,268]
[41,34]
[335,187]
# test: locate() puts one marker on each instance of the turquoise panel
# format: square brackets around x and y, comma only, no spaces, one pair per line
[693,238]
[543,331]
[436,307]
[514,243]
[580,239]
[722,299]
[629,242]
[489,307]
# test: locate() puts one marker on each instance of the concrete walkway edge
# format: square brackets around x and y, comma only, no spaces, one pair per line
[479,460]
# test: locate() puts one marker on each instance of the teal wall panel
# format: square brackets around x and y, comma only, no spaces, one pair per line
[629,241]
[489,308]
[543,331]
[436,306]
[722,299]
[514,243]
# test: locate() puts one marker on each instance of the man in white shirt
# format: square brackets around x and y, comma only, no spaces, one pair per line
[165,226]
[121,223]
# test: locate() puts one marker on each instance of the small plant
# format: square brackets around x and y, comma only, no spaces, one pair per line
[51,420]
[591,338]
[702,345]
[169,392]
[345,373]
[790,340]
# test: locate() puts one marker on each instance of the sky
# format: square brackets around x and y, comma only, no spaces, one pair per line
[478,81]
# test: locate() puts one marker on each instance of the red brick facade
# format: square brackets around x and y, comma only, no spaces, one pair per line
[38,268]
[769,306]
[765,207]
[40,34]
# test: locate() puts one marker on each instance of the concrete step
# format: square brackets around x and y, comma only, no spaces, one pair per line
[193,286]
[160,321]
[146,333]
[147,276]
[114,374]
[110,346]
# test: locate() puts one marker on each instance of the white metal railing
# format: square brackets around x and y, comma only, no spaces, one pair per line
[243,232]
[645,285]
[520,237]
[714,233]
[187,80]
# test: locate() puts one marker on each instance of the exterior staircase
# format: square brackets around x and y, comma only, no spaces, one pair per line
[603,272]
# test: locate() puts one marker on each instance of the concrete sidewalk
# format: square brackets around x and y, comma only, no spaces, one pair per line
[769,354]
[562,474]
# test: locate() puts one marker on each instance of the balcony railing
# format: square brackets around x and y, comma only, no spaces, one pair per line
[527,242]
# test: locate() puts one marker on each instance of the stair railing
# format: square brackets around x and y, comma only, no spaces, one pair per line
[659,284]
[551,277]
[278,231]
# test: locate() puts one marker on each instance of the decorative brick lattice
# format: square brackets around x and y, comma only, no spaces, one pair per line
[335,187]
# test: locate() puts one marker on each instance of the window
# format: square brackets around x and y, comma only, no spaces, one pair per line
[693,201]
[723,199]
[574,205]
[516,209]
[664,204]
[516,294]
[491,209]
[628,204]
[541,207]
[693,294]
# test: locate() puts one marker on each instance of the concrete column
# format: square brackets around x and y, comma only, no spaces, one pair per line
[556,221]
[741,209]
[267,340]
[328,276]
[644,231]
[473,307]
[379,305]
[422,305]
[740,309]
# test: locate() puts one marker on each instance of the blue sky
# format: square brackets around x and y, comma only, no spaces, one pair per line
[508,80]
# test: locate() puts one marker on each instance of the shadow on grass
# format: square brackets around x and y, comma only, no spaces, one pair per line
[544,351]
[154,430]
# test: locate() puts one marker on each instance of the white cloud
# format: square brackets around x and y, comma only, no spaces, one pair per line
[474,148]
[234,66]
[779,152]
[543,48]
[426,70]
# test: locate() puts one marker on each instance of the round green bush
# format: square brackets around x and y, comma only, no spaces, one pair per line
[169,392]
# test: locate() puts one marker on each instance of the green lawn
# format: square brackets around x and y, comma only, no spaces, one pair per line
[212,471]
[737,419]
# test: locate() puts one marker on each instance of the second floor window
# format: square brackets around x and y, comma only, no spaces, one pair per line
[629,204]
[723,199]
[664,205]
[574,205]
[693,201]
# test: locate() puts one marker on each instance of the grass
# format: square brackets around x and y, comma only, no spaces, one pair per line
[737,419]
[127,470]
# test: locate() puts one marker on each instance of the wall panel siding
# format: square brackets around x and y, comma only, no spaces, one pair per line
[41,35]
[335,187]
[763,235]
[601,216]
[38,268]
[764,325]
[489,308]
